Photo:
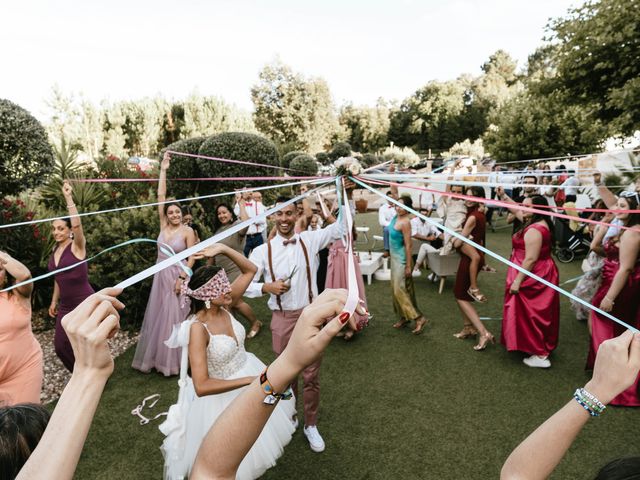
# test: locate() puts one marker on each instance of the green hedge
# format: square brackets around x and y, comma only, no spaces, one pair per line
[26,157]
[304,165]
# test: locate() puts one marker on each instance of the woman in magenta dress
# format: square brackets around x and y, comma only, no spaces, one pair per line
[474,228]
[619,292]
[163,308]
[72,286]
[531,314]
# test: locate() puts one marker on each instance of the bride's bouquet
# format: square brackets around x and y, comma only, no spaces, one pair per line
[347,166]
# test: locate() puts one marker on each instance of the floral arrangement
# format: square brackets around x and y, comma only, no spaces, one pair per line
[347,166]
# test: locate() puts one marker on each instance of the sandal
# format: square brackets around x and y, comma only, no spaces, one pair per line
[484,341]
[488,269]
[255,329]
[477,295]
[400,324]
[420,324]
[466,332]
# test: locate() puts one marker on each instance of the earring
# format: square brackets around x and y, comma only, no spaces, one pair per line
[207,303]
[71,235]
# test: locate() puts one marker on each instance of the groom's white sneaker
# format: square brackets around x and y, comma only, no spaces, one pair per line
[315,440]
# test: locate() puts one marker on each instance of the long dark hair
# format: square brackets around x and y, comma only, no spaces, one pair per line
[620,469]
[634,201]
[539,214]
[167,205]
[216,222]
[21,427]
[201,276]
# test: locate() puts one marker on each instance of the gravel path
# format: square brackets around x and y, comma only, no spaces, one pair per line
[56,375]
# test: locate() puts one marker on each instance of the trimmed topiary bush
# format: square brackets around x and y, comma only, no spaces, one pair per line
[323,158]
[26,157]
[288,157]
[340,149]
[184,167]
[304,165]
[236,146]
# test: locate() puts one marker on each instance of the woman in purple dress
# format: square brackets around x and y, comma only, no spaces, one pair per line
[71,287]
[163,308]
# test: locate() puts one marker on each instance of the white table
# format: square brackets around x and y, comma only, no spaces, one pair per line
[369,263]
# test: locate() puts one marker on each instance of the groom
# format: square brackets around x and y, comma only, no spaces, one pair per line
[288,263]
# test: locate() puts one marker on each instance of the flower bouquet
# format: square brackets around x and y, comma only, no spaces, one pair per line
[347,166]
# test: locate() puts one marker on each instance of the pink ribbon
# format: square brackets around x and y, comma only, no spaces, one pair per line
[204,179]
[510,205]
[227,160]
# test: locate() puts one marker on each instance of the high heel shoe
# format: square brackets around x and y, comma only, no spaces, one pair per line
[466,332]
[484,341]
[420,324]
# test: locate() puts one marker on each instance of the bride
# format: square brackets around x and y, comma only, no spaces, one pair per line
[212,344]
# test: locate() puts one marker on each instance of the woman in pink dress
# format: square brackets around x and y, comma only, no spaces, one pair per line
[72,286]
[531,313]
[619,292]
[163,308]
[20,352]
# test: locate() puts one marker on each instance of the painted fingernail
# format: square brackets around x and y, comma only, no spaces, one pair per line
[344,317]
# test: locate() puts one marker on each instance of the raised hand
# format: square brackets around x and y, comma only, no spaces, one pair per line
[616,368]
[89,326]
[67,189]
[166,161]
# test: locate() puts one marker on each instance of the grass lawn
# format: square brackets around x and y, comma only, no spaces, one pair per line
[395,405]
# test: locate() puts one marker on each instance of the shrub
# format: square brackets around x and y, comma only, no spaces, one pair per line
[369,159]
[323,158]
[304,165]
[288,157]
[30,244]
[26,156]
[401,156]
[184,167]
[340,149]
[104,231]
[236,146]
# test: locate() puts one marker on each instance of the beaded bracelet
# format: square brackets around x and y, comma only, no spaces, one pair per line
[589,402]
[271,396]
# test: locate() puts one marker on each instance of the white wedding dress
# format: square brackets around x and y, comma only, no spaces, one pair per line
[189,420]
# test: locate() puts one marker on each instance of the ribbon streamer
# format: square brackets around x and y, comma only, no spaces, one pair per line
[203,244]
[227,160]
[498,257]
[180,200]
[203,179]
[353,297]
[517,206]
[166,249]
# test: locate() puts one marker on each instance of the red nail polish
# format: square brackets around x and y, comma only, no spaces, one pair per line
[344,317]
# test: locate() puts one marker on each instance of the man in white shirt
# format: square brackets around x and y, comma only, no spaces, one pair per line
[385,214]
[254,236]
[426,233]
[289,263]
[572,183]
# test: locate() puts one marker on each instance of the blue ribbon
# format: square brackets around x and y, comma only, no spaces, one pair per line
[499,258]
[164,248]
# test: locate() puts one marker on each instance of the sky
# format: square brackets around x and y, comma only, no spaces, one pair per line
[131,49]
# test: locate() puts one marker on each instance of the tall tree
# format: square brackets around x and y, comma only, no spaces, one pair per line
[367,127]
[536,126]
[292,109]
[598,59]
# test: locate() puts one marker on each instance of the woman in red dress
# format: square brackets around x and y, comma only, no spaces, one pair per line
[531,314]
[474,228]
[619,292]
